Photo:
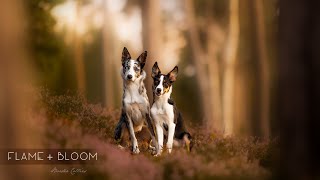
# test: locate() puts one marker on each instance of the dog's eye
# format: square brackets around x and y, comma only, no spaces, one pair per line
[136,68]
[156,81]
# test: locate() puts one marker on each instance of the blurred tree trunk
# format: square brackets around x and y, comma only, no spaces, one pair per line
[215,40]
[13,71]
[108,58]
[263,68]
[230,60]
[78,53]
[299,89]
[199,58]
[207,65]
[152,37]
[214,79]
[15,130]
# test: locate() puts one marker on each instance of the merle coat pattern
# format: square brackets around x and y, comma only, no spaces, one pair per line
[135,104]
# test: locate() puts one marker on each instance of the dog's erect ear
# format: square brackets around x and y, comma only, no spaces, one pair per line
[142,59]
[125,55]
[155,70]
[173,74]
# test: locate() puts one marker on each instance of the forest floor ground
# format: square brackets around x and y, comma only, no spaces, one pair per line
[68,121]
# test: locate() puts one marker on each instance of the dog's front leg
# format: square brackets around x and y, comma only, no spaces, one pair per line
[152,132]
[160,138]
[135,148]
[171,129]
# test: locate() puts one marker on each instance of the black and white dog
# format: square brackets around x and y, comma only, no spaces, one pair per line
[167,119]
[135,104]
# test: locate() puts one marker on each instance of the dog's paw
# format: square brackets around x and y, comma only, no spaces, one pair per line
[169,148]
[121,147]
[135,150]
[152,149]
[154,152]
[157,153]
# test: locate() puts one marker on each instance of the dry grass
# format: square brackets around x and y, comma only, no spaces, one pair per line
[68,121]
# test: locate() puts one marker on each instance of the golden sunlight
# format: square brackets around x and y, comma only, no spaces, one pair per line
[65,15]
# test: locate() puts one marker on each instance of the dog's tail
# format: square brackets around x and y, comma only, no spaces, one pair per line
[186,139]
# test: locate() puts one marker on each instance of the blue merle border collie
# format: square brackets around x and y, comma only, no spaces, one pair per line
[135,104]
[167,118]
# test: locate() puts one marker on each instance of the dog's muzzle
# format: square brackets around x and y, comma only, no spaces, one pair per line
[158,92]
[129,77]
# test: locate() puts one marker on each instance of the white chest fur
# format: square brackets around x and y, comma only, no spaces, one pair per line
[162,111]
[132,95]
[135,103]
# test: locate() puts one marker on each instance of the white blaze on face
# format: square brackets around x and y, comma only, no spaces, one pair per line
[160,85]
[130,72]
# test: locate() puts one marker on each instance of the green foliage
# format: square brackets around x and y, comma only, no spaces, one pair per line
[217,9]
[94,68]
[49,54]
[185,87]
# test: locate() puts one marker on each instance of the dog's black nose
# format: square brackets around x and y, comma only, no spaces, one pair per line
[129,76]
[158,90]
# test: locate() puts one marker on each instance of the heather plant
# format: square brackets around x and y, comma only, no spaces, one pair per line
[73,107]
[69,121]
